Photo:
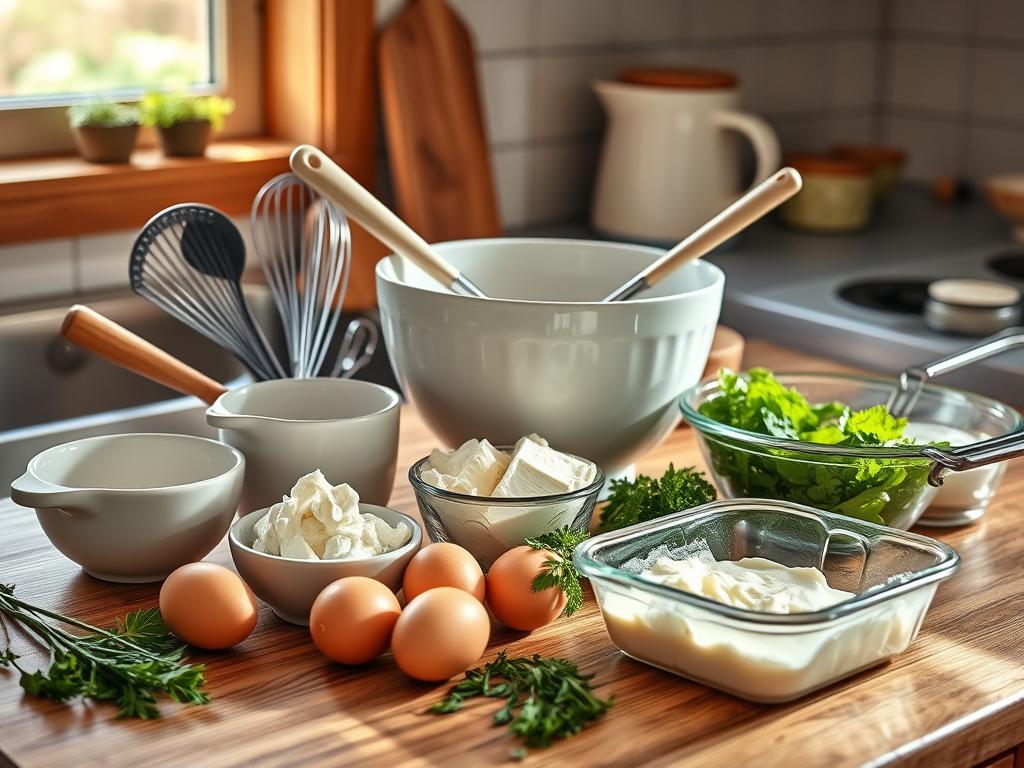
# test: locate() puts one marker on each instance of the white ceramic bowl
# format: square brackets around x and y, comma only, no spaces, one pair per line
[132,508]
[290,586]
[597,380]
[289,427]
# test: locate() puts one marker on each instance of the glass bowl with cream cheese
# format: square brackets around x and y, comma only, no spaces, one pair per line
[766,600]
[488,498]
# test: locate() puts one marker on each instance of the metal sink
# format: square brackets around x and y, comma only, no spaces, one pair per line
[52,391]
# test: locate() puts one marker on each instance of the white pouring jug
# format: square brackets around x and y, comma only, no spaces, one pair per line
[670,159]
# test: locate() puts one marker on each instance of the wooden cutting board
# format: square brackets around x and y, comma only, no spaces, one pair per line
[437,143]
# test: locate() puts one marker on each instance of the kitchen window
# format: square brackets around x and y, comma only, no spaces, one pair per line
[60,52]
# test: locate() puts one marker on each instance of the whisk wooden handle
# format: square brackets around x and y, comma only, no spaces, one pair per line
[326,177]
[101,335]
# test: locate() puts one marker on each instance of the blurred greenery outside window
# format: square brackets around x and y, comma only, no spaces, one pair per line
[66,51]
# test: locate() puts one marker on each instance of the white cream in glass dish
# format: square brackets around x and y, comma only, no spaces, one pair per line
[544,354]
[890,577]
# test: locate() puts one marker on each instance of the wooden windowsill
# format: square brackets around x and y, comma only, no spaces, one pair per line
[48,197]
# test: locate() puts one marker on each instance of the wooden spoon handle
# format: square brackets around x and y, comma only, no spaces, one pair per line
[326,177]
[765,197]
[101,335]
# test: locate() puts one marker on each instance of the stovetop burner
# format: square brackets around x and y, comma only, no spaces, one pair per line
[904,296]
[1008,263]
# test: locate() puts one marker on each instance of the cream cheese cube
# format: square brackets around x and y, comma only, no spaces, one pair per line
[476,462]
[537,470]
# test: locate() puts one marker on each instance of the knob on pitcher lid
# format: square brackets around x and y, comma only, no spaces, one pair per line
[687,79]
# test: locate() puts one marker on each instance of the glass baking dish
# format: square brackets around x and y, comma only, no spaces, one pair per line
[766,657]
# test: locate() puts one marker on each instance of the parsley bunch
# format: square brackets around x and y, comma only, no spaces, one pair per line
[128,664]
[559,571]
[646,498]
[545,699]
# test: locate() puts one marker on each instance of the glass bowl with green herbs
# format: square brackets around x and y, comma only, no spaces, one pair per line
[828,440]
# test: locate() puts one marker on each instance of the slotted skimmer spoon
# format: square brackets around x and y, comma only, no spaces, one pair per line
[188,260]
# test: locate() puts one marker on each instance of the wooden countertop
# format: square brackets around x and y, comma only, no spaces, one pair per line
[955,698]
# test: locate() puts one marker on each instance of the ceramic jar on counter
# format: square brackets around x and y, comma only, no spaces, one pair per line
[837,195]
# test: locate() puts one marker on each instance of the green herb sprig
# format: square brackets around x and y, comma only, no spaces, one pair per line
[647,498]
[128,664]
[545,699]
[559,571]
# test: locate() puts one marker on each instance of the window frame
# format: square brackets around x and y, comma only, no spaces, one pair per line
[237,26]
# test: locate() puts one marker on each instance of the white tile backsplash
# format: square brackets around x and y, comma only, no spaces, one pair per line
[561,177]
[1000,19]
[932,145]
[35,270]
[564,104]
[498,25]
[511,171]
[926,75]
[994,150]
[562,23]
[998,79]
[506,86]
[854,73]
[651,21]
[948,17]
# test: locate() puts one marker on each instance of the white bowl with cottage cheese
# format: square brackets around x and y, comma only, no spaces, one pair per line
[544,354]
[488,499]
[317,534]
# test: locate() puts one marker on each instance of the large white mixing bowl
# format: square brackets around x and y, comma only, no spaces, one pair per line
[597,380]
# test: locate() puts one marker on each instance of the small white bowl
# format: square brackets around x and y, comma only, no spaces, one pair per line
[132,508]
[290,586]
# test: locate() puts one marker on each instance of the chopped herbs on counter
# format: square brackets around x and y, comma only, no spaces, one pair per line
[560,571]
[647,498]
[128,664]
[545,699]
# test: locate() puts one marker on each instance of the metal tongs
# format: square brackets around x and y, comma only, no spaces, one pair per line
[911,383]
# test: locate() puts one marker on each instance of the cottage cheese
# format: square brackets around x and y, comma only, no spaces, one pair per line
[318,521]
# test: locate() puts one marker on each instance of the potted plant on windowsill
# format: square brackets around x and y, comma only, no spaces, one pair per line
[104,131]
[184,123]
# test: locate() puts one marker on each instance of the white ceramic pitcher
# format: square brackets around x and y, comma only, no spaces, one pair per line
[670,159]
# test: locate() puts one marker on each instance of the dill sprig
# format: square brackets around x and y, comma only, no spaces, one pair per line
[128,664]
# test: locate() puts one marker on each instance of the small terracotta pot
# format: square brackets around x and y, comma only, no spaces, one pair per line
[188,139]
[105,144]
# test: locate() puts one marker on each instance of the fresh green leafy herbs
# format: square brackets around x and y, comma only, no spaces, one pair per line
[878,490]
[128,664]
[559,571]
[646,498]
[545,699]
[106,114]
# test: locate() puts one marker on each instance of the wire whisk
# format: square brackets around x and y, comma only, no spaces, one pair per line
[304,246]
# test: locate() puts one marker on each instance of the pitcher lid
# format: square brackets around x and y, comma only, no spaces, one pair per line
[688,79]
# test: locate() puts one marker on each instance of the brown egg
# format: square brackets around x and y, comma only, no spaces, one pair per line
[510,593]
[352,619]
[442,632]
[208,606]
[443,565]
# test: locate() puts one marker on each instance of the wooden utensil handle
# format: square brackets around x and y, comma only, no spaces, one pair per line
[101,335]
[767,195]
[326,177]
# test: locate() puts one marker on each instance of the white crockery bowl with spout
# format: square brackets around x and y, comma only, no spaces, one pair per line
[544,354]
[133,507]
